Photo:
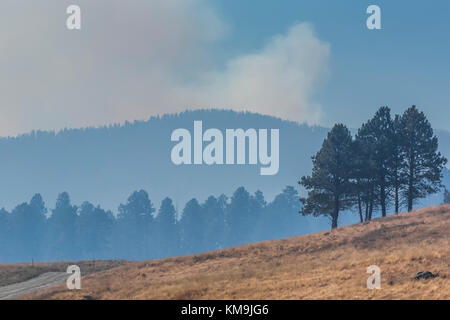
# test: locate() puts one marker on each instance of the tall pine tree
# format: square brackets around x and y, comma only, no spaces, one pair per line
[378,133]
[423,163]
[329,187]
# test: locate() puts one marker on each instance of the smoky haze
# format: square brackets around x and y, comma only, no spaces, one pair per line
[129,62]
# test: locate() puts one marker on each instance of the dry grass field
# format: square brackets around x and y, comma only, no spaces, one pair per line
[19,272]
[326,265]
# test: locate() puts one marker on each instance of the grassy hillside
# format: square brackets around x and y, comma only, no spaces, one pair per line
[326,265]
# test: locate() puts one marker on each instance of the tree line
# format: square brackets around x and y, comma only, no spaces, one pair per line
[391,162]
[139,231]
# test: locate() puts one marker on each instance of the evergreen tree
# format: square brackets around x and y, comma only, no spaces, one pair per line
[423,163]
[363,177]
[5,235]
[261,223]
[214,210]
[135,227]
[168,243]
[241,218]
[193,228]
[94,228]
[396,178]
[378,133]
[28,229]
[281,218]
[329,187]
[39,221]
[19,227]
[62,241]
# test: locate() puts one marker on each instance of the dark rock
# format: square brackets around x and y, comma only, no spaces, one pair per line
[425,275]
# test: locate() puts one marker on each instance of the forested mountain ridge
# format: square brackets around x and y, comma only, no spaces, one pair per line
[104,165]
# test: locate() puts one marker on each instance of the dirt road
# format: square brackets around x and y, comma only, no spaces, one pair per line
[43,281]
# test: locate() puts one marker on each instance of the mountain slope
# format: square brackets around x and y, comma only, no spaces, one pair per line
[326,265]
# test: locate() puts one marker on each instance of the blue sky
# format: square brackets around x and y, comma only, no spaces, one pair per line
[308,61]
[407,62]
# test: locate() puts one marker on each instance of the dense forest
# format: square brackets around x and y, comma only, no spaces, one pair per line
[141,231]
[391,162]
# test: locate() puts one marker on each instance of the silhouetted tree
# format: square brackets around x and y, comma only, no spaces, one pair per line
[19,226]
[94,231]
[329,187]
[241,217]
[363,177]
[423,163]
[167,229]
[214,212]
[5,244]
[397,180]
[135,232]
[39,221]
[28,229]
[62,241]
[281,218]
[193,227]
[379,133]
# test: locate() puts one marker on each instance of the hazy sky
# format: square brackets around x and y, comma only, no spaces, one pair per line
[309,61]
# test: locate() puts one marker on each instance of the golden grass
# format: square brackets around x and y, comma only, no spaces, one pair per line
[18,272]
[326,265]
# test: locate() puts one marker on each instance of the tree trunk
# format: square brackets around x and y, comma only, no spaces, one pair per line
[383,201]
[367,210]
[410,184]
[397,206]
[335,216]
[360,208]
[334,222]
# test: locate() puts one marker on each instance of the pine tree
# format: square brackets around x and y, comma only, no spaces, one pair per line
[363,175]
[193,227]
[62,241]
[167,231]
[379,132]
[214,212]
[240,217]
[134,228]
[423,163]
[329,187]
[281,218]
[5,236]
[39,221]
[396,178]
[94,231]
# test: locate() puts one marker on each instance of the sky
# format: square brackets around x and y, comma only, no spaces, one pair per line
[308,61]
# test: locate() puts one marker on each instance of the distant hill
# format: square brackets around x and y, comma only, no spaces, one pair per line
[104,165]
[326,265]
